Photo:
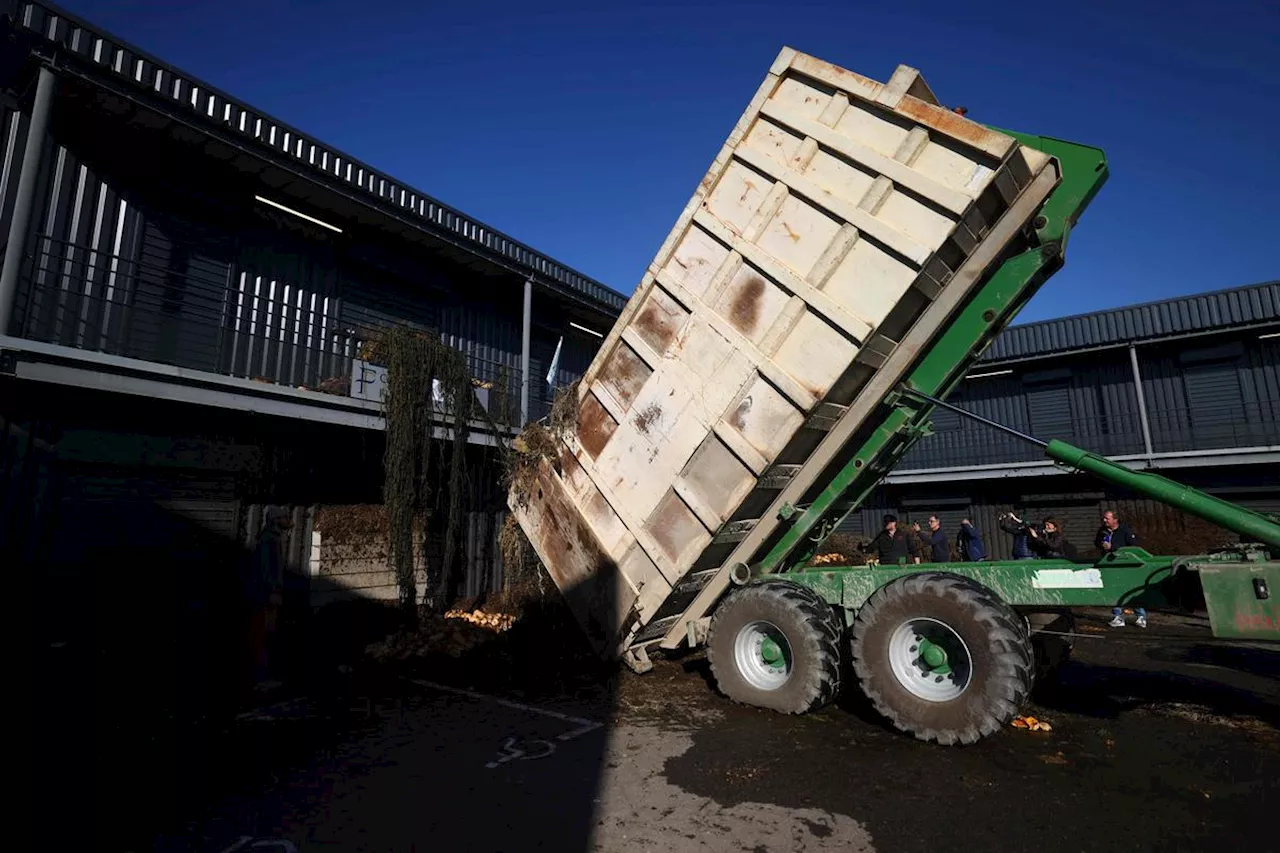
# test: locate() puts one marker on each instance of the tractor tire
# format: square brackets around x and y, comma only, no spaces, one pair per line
[1051,650]
[776,645]
[942,658]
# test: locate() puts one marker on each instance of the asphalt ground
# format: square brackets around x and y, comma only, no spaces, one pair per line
[1161,740]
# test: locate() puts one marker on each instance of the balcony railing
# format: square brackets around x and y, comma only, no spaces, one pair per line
[218,318]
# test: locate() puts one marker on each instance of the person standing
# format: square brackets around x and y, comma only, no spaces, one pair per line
[1017,528]
[969,543]
[1113,534]
[1049,542]
[264,583]
[892,544]
[939,549]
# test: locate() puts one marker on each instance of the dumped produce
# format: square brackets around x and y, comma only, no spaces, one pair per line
[493,621]
[453,634]
[1031,724]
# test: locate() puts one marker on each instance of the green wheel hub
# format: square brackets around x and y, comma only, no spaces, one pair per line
[930,660]
[934,657]
[762,655]
[771,653]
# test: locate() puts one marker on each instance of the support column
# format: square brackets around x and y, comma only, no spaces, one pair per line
[1142,402]
[24,199]
[525,357]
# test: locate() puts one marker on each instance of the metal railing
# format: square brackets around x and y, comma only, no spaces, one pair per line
[212,317]
[217,317]
[1178,430]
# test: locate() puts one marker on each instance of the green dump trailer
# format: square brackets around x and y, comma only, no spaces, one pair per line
[850,254]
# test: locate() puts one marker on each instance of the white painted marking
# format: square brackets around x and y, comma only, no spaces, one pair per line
[246,842]
[510,751]
[264,713]
[1067,579]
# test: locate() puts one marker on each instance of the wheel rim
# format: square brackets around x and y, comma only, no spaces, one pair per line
[930,660]
[762,655]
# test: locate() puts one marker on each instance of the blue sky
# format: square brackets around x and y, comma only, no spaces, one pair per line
[582,128]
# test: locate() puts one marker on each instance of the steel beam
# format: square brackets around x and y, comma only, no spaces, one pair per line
[1258,455]
[25,197]
[1142,402]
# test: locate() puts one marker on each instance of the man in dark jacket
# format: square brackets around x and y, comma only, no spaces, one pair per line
[969,543]
[1017,528]
[1113,534]
[892,544]
[936,542]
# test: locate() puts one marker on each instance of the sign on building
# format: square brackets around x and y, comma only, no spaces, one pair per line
[369,382]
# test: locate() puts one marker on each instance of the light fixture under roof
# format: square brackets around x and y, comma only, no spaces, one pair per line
[278,206]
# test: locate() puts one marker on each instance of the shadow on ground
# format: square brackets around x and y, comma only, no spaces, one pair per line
[139,715]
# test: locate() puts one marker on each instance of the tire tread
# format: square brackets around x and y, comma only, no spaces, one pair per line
[823,636]
[1015,661]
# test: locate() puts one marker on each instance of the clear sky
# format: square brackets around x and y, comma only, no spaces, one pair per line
[582,128]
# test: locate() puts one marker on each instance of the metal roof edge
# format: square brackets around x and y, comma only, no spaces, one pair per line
[1164,318]
[67,31]
[1152,303]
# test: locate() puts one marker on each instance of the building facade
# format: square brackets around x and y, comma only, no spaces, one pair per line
[1188,387]
[187,293]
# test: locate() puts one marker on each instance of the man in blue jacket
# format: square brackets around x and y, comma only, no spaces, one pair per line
[969,543]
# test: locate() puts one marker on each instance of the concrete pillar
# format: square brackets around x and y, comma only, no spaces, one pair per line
[25,197]
[525,356]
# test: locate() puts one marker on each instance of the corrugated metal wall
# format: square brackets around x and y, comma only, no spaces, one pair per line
[1204,394]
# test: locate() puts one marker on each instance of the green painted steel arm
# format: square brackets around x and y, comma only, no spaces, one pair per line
[1223,513]
[1083,171]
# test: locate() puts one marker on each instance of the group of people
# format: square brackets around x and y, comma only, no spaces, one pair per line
[910,544]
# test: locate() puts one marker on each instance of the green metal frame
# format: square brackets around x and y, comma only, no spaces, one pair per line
[1129,577]
[1231,581]
[1083,172]
[1234,582]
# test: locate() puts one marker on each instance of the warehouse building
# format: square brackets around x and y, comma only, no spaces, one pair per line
[1187,387]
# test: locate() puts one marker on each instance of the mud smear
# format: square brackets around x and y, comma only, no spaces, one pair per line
[1125,769]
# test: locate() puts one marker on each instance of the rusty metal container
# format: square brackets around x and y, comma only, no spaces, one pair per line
[840,225]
